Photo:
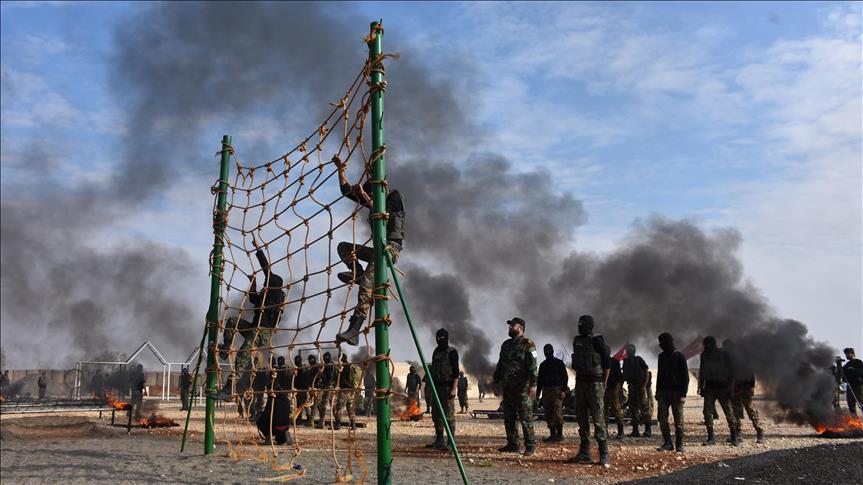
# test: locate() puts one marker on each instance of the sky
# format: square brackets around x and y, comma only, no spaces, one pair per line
[743,115]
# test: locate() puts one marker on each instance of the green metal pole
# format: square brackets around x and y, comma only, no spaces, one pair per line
[427,371]
[382,338]
[219,223]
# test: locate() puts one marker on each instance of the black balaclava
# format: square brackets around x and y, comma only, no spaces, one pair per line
[280,361]
[442,337]
[313,360]
[709,344]
[548,350]
[585,325]
[344,358]
[630,351]
[666,342]
[412,370]
[298,361]
[328,358]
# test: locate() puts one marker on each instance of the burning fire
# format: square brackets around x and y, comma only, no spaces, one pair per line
[412,412]
[155,421]
[116,403]
[841,424]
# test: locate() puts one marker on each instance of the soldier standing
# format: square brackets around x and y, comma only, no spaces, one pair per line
[852,371]
[550,389]
[590,363]
[349,382]
[672,382]
[413,384]
[613,395]
[137,382]
[480,386]
[370,383]
[516,374]
[43,385]
[462,393]
[444,373]
[637,377]
[185,386]
[325,382]
[300,386]
[743,390]
[715,383]
[4,382]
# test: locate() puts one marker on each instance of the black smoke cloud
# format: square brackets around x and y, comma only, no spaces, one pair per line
[673,276]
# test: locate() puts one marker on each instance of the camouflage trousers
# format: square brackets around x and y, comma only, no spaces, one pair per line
[612,402]
[639,404]
[590,404]
[254,341]
[666,399]
[449,409]
[322,399]
[742,400]
[367,277]
[552,404]
[345,400]
[302,397]
[517,406]
[709,410]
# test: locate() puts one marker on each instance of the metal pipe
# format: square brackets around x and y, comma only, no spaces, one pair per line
[220,221]
[379,197]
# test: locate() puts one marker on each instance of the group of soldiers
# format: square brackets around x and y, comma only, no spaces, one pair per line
[724,377]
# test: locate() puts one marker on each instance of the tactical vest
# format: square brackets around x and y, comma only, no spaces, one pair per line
[586,361]
[441,369]
[632,372]
[395,207]
[513,355]
[714,367]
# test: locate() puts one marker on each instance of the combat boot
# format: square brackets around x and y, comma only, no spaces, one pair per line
[552,437]
[735,438]
[603,453]
[711,439]
[759,436]
[226,393]
[559,433]
[529,450]
[666,443]
[510,448]
[647,432]
[438,442]
[352,334]
[350,277]
[620,431]
[678,443]
[635,433]
[583,455]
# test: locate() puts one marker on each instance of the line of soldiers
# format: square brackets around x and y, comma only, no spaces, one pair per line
[725,377]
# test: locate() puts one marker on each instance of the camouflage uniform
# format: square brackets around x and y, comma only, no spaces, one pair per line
[635,374]
[744,389]
[441,372]
[516,372]
[349,380]
[714,379]
[325,382]
[589,387]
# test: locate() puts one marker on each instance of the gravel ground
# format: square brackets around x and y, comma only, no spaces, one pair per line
[83,449]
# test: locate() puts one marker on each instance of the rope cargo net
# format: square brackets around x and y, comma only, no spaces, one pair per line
[292,211]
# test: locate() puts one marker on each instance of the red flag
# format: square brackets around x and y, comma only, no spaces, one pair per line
[694,348]
[622,353]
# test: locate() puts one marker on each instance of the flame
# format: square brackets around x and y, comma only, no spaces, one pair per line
[155,421]
[116,403]
[412,412]
[840,424]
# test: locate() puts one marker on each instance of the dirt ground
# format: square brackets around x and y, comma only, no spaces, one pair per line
[81,448]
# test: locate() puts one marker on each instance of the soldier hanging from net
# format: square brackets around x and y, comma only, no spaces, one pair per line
[351,254]
[256,334]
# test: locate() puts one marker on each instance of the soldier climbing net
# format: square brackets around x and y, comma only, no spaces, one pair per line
[280,294]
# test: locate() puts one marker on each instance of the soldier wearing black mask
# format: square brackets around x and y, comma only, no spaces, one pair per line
[444,372]
[672,382]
